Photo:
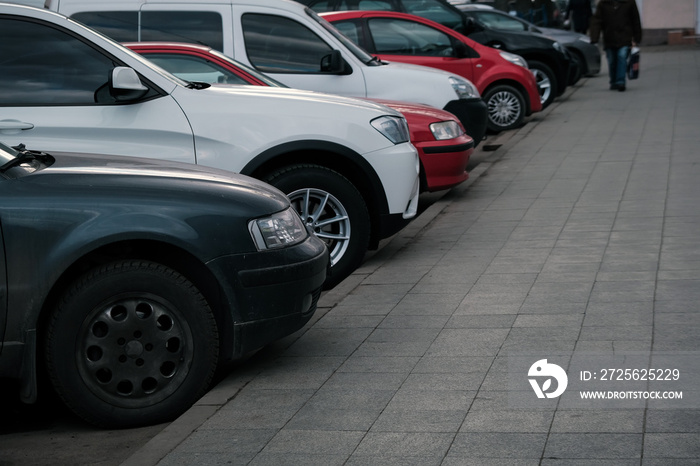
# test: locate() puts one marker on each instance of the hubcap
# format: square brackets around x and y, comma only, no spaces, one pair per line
[134,352]
[326,216]
[504,108]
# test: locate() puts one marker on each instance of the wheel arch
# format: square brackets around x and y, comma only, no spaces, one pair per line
[336,157]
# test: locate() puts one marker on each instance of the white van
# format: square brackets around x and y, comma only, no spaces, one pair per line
[346,164]
[286,41]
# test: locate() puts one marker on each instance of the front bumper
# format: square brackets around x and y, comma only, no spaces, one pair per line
[473,115]
[444,163]
[268,295]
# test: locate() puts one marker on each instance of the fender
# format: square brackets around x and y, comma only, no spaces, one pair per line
[329,154]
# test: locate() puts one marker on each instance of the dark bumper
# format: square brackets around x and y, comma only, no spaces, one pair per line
[269,294]
[473,115]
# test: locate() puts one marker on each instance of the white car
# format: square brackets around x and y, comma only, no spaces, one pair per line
[346,164]
[286,41]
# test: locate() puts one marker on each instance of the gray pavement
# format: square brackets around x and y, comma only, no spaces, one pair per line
[577,241]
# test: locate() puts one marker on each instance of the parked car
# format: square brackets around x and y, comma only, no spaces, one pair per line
[68,88]
[585,54]
[443,146]
[286,41]
[546,58]
[503,79]
[131,280]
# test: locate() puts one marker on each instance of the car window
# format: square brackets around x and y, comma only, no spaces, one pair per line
[433,10]
[401,37]
[498,21]
[321,6]
[199,27]
[192,68]
[278,44]
[42,65]
[350,29]
[122,26]
[381,5]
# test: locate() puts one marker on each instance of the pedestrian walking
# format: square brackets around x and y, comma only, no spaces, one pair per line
[619,22]
[579,13]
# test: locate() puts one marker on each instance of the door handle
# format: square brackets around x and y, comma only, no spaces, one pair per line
[14,126]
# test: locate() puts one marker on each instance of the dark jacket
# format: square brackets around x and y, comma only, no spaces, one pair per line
[581,17]
[619,22]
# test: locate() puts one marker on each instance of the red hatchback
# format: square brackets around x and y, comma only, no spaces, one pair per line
[505,83]
[443,146]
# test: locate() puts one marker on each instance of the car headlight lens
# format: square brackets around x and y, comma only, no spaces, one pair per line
[394,128]
[513,58]
[557,46]
[278,230]
[464,88]
[446,130]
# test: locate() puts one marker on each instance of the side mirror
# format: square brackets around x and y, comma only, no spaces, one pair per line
[333,63]
[125,85]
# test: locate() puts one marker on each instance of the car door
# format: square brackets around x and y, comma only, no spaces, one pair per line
[54,95]
[295,53]
[400,40]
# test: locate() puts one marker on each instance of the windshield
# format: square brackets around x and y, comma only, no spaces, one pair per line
[360,53]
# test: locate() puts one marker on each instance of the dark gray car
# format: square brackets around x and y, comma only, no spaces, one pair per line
[129,281]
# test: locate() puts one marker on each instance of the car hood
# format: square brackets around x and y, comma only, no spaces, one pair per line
[561,35]
[312,98]
[143,177]
[410,109]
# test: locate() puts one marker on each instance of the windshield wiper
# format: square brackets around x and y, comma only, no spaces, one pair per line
[375,59]
[25,156]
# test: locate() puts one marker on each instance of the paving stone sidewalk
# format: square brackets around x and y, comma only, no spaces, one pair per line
[578,242]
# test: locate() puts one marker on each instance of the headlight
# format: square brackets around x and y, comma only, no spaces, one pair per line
[278,230]
[463,87]
[513,58]
[446,130]
[394,128]
[557,46]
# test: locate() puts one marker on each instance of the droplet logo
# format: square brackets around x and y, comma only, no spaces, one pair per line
[542,369]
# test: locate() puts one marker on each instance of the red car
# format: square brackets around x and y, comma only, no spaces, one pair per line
[443,146]
[505,83]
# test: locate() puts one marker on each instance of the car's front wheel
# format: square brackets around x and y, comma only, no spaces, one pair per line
[546,82]
[131,343]
[506,107]
[331,205]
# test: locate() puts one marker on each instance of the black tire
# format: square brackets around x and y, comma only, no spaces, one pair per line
[337,198]
[505,106]
[131,343]
[546,82]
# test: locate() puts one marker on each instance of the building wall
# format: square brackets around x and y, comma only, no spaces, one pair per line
[669,21]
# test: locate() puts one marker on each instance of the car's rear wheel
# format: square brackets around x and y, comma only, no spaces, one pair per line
[331,205]
[506,107]
[131,343]
[546,81]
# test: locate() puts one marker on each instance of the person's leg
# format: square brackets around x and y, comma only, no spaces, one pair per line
[621,67]
[611,56]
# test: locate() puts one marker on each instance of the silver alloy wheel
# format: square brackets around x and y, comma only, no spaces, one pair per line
[327,216]
[544,85]
[504,109]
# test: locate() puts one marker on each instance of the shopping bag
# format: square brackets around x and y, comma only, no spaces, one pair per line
[633,63]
